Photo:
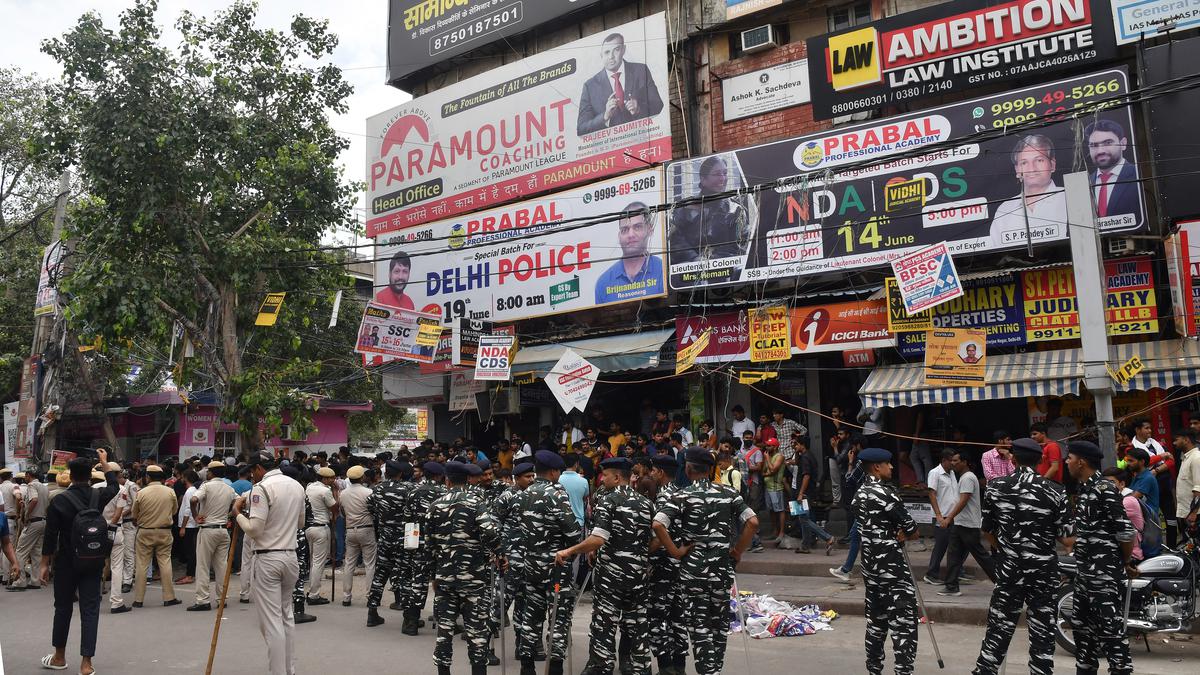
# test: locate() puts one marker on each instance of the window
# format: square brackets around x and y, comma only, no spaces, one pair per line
[849,16]
[226,441]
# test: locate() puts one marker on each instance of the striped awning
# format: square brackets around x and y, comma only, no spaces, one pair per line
[1168,363]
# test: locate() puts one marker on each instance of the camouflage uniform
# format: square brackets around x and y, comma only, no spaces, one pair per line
[706,514]
[415,563]
[668,640]
[1098,618]
[891,601]
[298,595]
[505,508]
[462,531]
[622,518]
[387,504]
[1026,513]
[547,526]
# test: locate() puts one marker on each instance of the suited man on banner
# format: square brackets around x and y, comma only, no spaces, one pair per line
[1114,182]
[622,92]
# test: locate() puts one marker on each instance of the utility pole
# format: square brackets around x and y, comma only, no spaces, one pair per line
[1090,293]
[43,327]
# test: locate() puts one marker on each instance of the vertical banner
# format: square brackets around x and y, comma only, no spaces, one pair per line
[422,423]
[47,293]
[1183,268]
[493,358]
[466,335]
[27,406]
[769,334]
[956,357]
[10,428]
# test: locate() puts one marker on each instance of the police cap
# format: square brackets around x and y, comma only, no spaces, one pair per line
[1026,447]
[523,468]
[325,472]
[665,462]
[619,463]
[545,460]
[698,456]
[484,464]
[874,455]
[456,470]
[1086,450]
[355,472]
[473,470]
[433,469]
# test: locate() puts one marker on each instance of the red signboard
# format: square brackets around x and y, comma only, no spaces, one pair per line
[730,339]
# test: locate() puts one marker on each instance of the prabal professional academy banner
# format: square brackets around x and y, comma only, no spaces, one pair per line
[829,212]
[591,108]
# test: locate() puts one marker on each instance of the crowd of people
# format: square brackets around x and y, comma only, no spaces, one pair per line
[653,523]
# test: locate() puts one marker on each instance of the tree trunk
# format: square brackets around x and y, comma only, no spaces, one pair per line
[93,395]
[251,440]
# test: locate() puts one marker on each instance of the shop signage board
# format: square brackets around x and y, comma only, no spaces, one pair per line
[826,211]
[524,128]
[494,361]
[769,334]
[926,278]
[762,91]
[1183,269]
[560,253]
[423,33]
[572,380]
[397,333]
[953,47]
[268,313]
[1134,20]
[1052,310]
[956,357]
[840,326]
[858,358]
[1127,371]
[466,335]
[739,8]
[993,303]
[730,339]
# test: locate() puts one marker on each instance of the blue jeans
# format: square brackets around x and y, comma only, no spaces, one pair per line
[809,531]
[340,535]
[855,543]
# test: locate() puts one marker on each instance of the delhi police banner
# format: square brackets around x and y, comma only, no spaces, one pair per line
[953,47]
[830,212]
[588,247]
[588,109]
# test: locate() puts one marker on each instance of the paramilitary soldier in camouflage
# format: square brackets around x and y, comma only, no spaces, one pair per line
[668,639]
[621,525]
[387,505]
[1103,544]
[1023,514]
[891,600]
[302,476]
[462,535]
[506,510]
[706,513]
[415,563]
[547,526]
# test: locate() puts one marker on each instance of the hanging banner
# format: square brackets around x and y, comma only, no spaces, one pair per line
[463,388]
[839,326]
[926,278]
[27,406]
[398,333]
[407,387]
[47,292]
[561,253]
[955,357]
[1134,20]
[465,342]
[10,428]
[422,423]
[685,357]
[994,304]
[570,114]
[1052,310]
[828,211]
[1183,268]
[494,360]
[953,47]
[268,313]
[59,460]
[571,381]
[769,335]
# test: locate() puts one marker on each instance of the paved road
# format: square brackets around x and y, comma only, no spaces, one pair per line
[168,640]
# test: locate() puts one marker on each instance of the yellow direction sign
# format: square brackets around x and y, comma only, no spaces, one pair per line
[269,312]
[752,376]
[686,357]
[1127,372]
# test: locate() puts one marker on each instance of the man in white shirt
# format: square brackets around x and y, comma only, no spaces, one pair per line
[129,531]
[943,497]
[324,507]
[1040,210]
[189,529]
[741,423]
[570,436]
[522,449]
[1143,438]
[211,504]
[1187,484]
[115,511]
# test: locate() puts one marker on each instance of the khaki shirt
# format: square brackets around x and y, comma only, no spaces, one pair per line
[354,505]
[155,506]
[36,490]
[1187,485]
[321,498]
[276,512]
[215,499]
[8,492]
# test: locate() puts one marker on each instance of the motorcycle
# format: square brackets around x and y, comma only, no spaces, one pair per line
[1162,598]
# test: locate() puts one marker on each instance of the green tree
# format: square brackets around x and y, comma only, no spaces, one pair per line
[205,165]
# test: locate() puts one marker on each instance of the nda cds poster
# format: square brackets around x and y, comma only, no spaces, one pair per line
[588,247]
[862,196]
[588,109]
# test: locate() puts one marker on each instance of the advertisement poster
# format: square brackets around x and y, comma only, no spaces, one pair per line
[59,460]
[543,123]
[571,381]
[463,388]
[562,253]
[955,357]
[820,219]
[730,339]
[47,294]
[761,91]
[422,423]
[926,278]
[1183,269]
[686,357]
[1052,310]
[27,407]
[994,304]
[1134,20]
[858,325]
[494,360]
[408,387]
[769,334]
[10,428]
[953,47]
[465,341]
[398,333]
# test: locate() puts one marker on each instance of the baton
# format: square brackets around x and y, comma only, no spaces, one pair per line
[1128,596]
[212,648]
[742,617]
[921,604]
[553,620]
[500,621]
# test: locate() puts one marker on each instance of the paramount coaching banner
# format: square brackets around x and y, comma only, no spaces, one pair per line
[573,250]
[952,47]
[830,213]
[588,109]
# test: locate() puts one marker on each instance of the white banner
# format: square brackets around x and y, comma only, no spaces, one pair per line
[462,392]
[761,91]
[398,333]
[591,108]
[493,360]
[573,250]
[1134,20]
[572,380]
[10,427]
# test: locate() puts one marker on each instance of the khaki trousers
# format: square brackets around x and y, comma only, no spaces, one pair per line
[129,550]
[275,576]
[29,553]
[360,540]
[14,532]
[318,553]
[116,568]
[212,552]
[154,544]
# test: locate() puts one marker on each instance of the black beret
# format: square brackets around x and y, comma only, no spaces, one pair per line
[1085,449]
[874,455]
[392,468]
[473,470]
[291,471]
[698,456]
[523,468]
[620,463]
[432,469]
[456,470]
[1027,446]
[546,460]
[665,462]
[484,464]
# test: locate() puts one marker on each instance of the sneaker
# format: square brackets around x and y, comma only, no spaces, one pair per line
[950,593]
[933,581]
[837,572]
[757,549]
[966,580]
[804,549]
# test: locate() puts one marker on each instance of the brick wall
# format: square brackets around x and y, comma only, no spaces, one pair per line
[772,126]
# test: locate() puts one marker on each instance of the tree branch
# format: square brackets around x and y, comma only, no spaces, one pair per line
[212,357]
[245,226]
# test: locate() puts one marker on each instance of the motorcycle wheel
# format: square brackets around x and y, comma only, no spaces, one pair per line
[1064,607]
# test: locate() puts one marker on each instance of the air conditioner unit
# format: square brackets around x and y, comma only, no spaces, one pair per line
[758,39]
[1120,246]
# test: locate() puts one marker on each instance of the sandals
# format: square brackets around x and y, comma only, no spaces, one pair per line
[48,665]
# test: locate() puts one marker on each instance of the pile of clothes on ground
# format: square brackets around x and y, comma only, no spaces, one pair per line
[767,617]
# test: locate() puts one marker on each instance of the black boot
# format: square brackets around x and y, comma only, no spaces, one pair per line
[665,665]
[373,618]
[493,660]
[443,670]
[396,605]
[527,667]
[680,664]
[298,613]
[556,667]
[410,621]
[479,669]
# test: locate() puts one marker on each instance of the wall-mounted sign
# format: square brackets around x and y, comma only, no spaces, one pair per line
[762,91]
[1137,19]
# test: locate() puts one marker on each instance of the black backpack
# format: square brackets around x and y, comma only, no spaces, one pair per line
[90,539]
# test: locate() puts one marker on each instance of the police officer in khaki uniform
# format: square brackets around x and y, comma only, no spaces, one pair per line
[35,499]
[211,505]
[275,511]
[324,508]
[116,510]
[10,499]
[154,512]
[360,531]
